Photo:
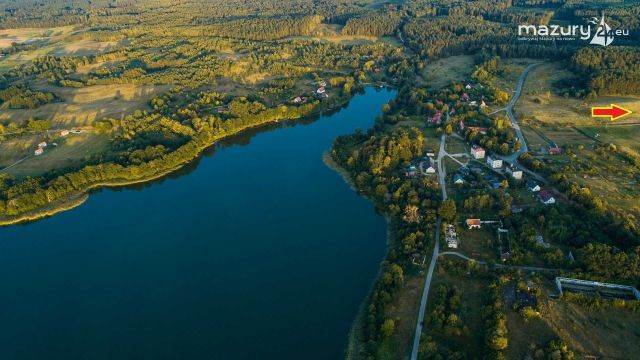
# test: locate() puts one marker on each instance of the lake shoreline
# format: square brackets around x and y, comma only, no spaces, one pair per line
[78,197]
[354,339]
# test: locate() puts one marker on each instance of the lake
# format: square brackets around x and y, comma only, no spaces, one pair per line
[257,250]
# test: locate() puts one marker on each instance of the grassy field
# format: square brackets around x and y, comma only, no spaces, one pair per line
[81,106]
[58,41]
[441,72]
[609,334]
[621,135]
[332,33]
[70,151]
[404,308]
[509,70]
[471,290]
[538,102]
[478,243]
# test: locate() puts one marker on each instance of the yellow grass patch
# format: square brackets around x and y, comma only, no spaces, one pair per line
[82,106]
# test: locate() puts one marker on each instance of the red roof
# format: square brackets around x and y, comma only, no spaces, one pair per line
[545,195]
[473,222]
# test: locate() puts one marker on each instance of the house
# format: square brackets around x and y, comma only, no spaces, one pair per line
[461,124]
[514,172]
[223,109]
[297,100]
[64,133]
[38,152]
[42,144]
[473,223]
[554,149]
[376,69]
[458,179]
[412,171]
[465,97]
[468,87]
[481,130]
[477,152]
[426,166]
[533,186]
[546,198]
[495,184]
[540,241]
[494,162]
[474,103]
[431,153]
[436,118]
[321,90]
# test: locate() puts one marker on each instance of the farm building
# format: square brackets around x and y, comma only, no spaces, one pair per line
[38,152]
[42,144]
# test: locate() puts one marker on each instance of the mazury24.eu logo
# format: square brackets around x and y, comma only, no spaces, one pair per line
[597,30]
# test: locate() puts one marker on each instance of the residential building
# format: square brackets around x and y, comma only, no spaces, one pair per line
[477,152]
[546,198]
[458,179]
[42,144]
[515,172]
[494,162]
[64,133]
[321,90]
[554,149]
[533,186]
[473,223]
[38,151]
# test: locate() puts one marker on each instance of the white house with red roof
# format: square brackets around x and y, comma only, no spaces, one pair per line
[477,152]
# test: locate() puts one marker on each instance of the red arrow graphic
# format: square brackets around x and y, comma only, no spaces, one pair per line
[613,112]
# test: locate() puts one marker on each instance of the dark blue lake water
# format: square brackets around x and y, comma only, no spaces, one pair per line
[256,251]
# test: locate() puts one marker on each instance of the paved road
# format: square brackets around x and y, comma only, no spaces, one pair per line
[514,120]
[513,158]
[530,268]
[434,256]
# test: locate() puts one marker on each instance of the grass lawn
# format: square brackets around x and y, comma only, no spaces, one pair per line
[441,72]
[478,244]
[456,146]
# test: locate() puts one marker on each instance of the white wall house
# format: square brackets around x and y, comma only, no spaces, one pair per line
[477,152]
[494,162]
